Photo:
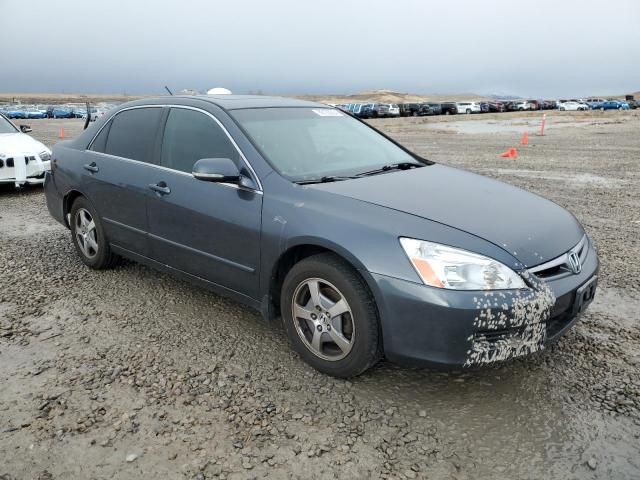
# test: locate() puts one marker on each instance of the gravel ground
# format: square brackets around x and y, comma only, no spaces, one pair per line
[130,373]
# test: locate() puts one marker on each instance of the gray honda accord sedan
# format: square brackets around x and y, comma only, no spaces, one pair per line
[363,248]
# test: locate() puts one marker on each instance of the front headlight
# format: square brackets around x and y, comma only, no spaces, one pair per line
[447,267]
[45,156]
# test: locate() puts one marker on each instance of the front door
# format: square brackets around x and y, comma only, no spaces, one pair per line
[209,230]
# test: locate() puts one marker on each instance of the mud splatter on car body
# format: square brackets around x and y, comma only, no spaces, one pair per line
[511,323]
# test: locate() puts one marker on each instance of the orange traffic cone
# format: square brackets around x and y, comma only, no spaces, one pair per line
[525,139]
[511,153]
[61,133]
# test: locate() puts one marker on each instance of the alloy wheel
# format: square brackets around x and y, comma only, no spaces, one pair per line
[323,319]
[86,233]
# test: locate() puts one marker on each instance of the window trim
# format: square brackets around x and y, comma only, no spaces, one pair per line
[186,107]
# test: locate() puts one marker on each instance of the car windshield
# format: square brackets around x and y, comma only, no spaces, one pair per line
[310,143]
[6,126]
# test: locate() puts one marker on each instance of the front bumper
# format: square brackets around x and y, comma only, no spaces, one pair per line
[24,168]
[441,328]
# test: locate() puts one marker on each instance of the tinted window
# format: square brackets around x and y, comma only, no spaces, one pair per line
[132,134]
[190,136]
[100,142]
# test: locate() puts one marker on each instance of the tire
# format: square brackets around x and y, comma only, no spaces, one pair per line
[468,111]
[414,114]
[357,327]
[88,236]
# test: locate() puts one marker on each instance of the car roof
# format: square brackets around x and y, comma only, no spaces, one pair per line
[234,102]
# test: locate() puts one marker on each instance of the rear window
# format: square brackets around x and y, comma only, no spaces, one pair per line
[132,134]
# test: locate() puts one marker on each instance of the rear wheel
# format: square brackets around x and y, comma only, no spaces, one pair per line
[88,236]
[330,316]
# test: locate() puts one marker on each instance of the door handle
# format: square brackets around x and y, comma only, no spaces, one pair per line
[92,167]
[160,188]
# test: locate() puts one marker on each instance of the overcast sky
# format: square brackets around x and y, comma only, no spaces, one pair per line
[537,48]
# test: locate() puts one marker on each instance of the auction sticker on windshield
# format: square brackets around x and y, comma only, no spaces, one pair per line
[326,112]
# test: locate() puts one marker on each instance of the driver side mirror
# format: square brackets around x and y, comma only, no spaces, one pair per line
[25,128]
[219,170]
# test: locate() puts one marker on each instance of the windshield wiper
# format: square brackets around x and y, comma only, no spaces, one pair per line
[326,179]
[391,166]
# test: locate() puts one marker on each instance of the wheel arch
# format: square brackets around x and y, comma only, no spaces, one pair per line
[297,252]
[67,202]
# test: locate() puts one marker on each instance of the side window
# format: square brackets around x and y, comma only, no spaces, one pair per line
[189,136]
[132,134]
[100,142]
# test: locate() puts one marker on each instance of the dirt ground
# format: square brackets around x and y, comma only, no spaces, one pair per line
[130,373]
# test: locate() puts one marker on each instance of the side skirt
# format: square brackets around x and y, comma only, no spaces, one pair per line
[201,282]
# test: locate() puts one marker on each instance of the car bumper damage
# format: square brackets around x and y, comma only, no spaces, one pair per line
[428,326]
[23,168]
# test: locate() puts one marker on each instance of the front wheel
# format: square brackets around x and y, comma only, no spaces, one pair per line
[88,236]
[330,316]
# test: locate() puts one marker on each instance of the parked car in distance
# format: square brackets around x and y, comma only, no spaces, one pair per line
[534,104]
[409,109]
[523,106]
[572,106]
[436,108]
[484,107]
[59,112]
[613,105]
[16,113]
[496,107]
[362,110]
[380,110]
[312,216]
[449,108]
[425,110]
[394,110]
[594,102]
[23,160]
[468,107]
[33,113]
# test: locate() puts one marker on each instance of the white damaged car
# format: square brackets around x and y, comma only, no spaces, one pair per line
[23,160]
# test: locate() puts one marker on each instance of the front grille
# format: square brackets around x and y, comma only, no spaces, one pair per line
[561,265]
[9,162]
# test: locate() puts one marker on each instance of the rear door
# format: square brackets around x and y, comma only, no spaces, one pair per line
[210,230]
[117,172]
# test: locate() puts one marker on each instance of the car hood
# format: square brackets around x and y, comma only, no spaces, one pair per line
[14,143]
[531,228]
